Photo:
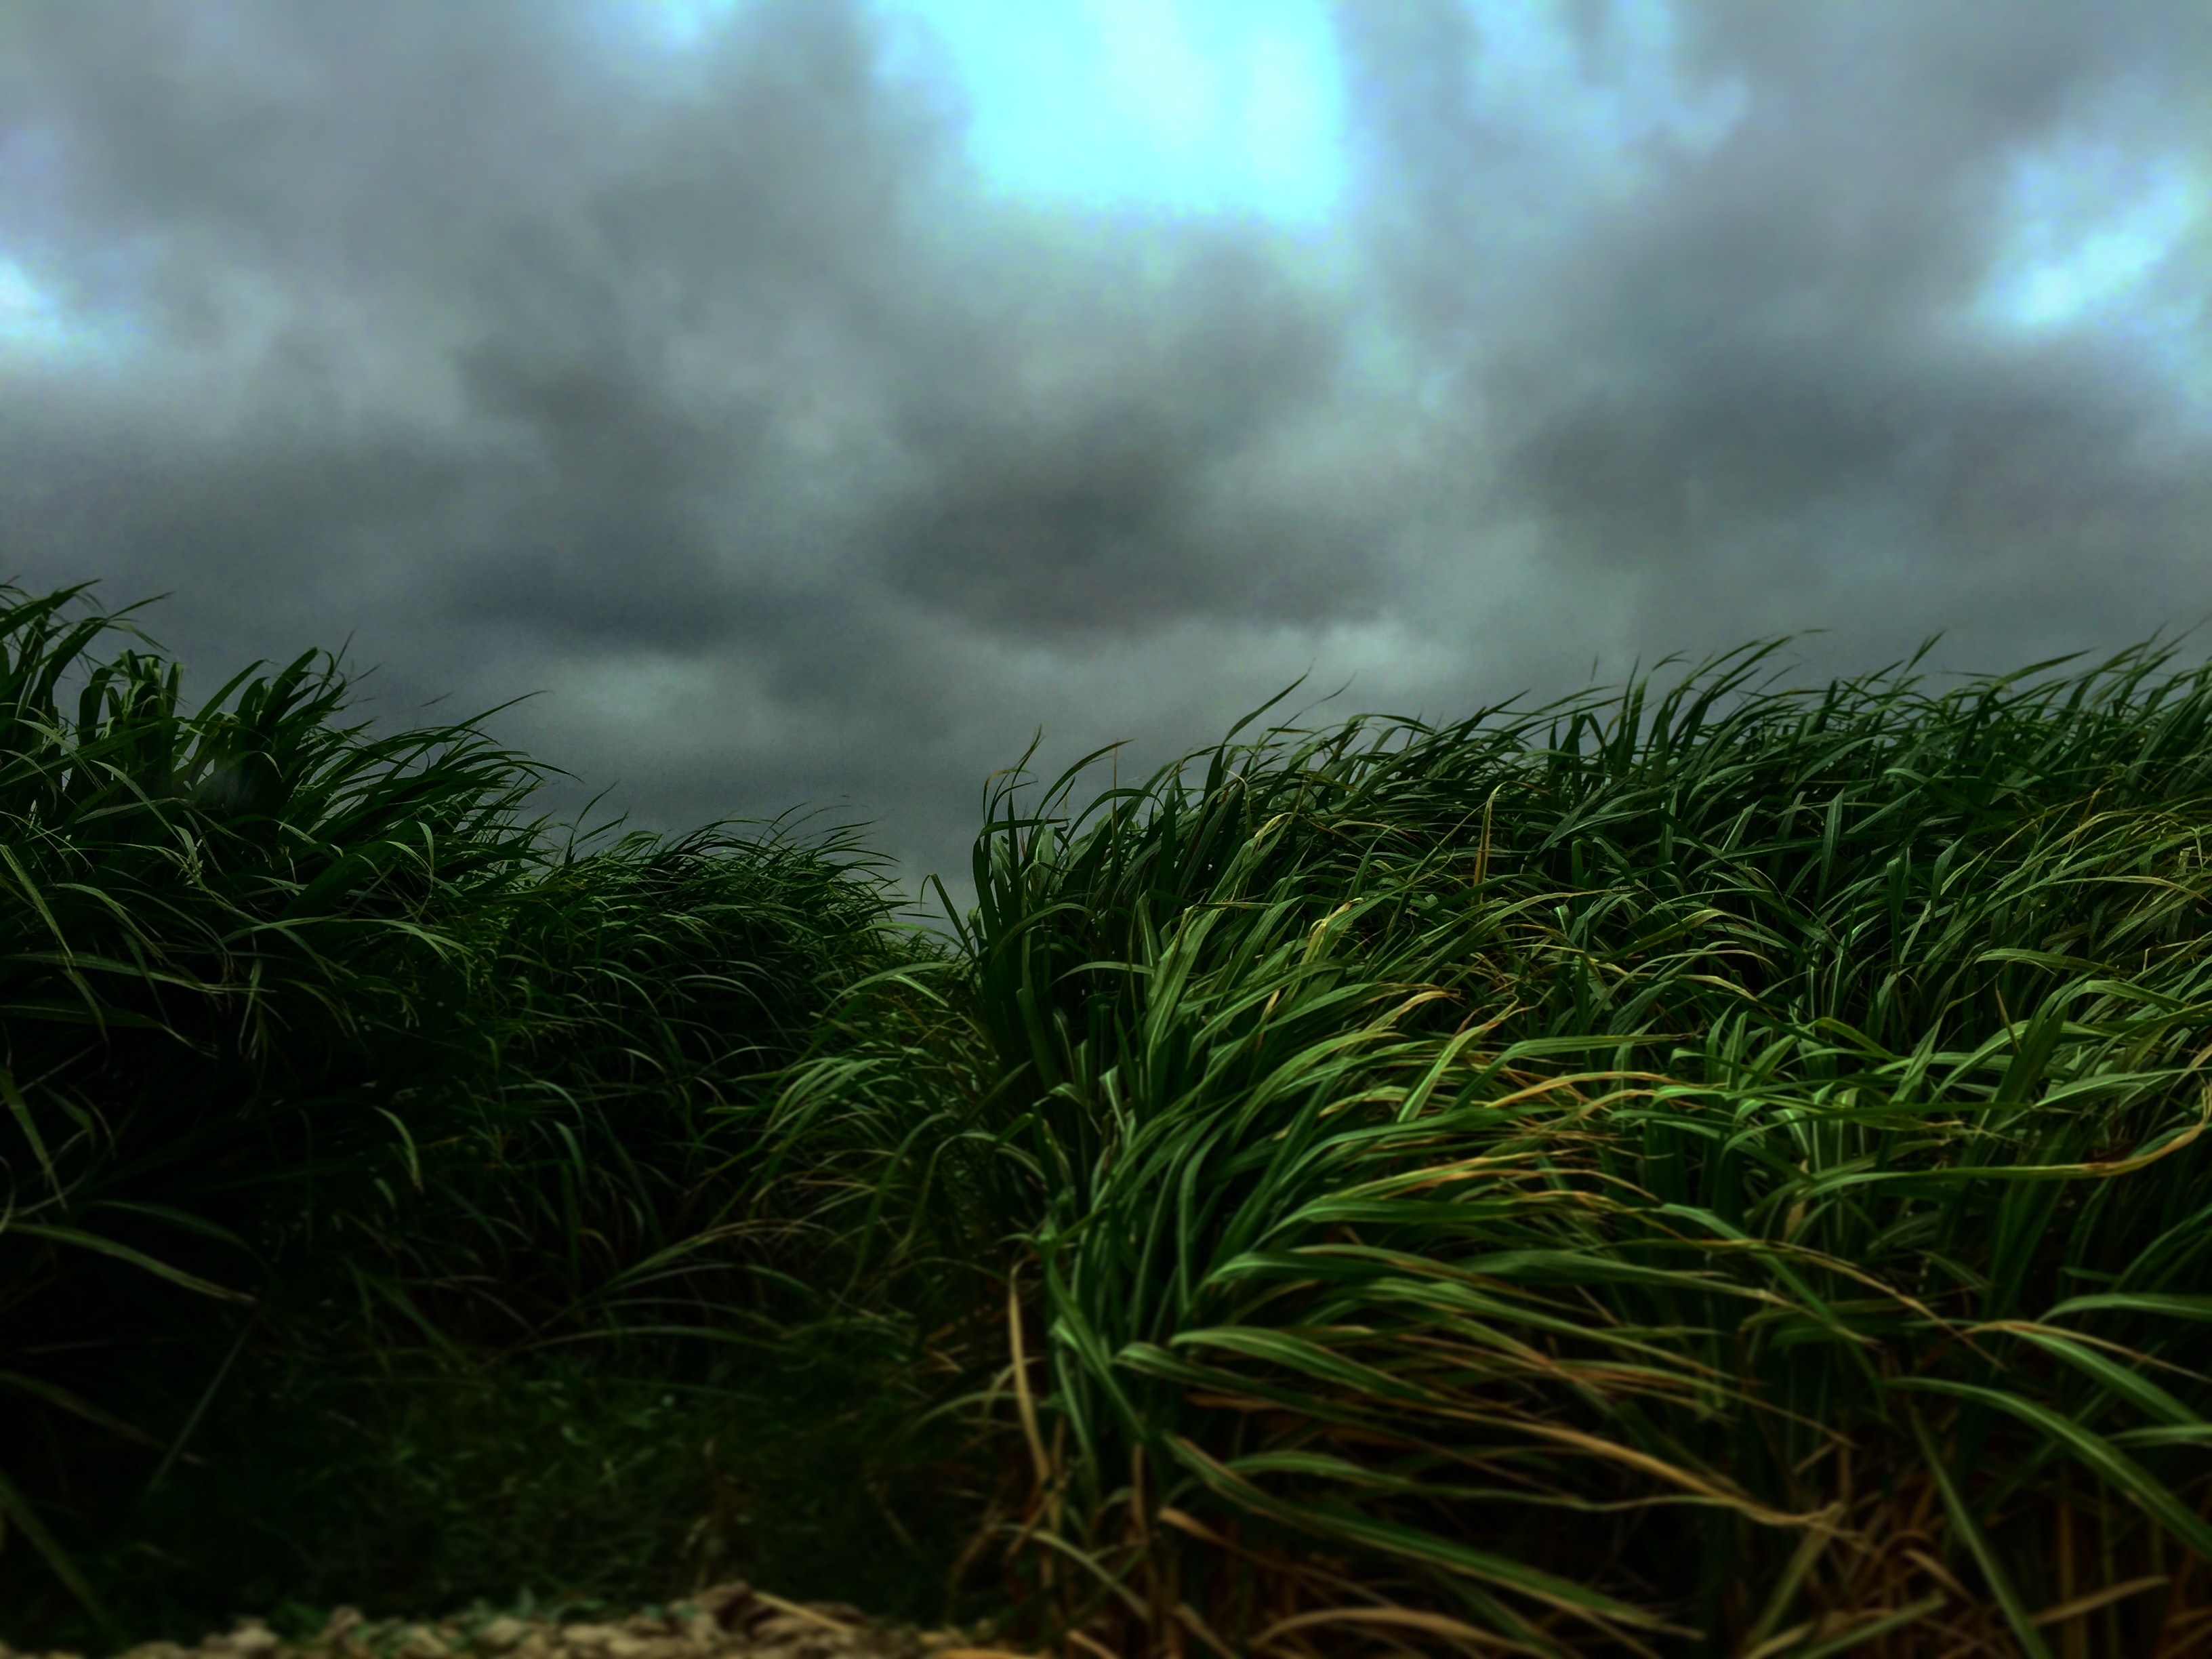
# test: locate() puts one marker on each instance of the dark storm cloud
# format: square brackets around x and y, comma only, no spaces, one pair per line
[713,396]
[1110,502]
[619,503]
[1761,366]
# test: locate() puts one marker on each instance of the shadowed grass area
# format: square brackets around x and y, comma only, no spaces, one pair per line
[348,1113]
[1716,1170]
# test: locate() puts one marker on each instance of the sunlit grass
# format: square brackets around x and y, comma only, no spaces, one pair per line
[1710,1170]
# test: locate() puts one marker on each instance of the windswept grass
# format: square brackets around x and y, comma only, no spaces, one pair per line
[344,1107]
[1709,1170]
[1716,1172]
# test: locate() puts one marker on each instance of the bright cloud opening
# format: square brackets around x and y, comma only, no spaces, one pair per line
[1187,106]
[2088,230]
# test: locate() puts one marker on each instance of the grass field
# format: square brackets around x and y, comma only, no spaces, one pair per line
[1692,1169]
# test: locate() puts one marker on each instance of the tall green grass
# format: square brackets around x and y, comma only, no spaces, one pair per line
[344,1107]
[1717,1171]
[1710,1170]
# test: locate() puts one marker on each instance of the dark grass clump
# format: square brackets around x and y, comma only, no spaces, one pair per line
[347,1114]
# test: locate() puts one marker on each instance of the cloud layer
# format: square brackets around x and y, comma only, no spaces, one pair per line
[716,396]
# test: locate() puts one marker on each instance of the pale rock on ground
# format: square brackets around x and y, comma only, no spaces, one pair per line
[730,1621]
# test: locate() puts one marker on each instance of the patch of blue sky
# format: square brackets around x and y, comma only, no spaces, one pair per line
[1198,106]
[2087,229]
[1183,106]
[35,323]
[2099,238]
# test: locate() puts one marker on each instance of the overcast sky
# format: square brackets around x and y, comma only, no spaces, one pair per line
[812,399]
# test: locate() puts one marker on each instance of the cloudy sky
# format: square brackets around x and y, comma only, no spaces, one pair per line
[812,399]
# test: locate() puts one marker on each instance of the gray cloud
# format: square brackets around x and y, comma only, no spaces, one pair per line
[1111,500]
[1760,365]
[715,398]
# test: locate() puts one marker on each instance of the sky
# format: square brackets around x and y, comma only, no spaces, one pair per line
[801,404]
